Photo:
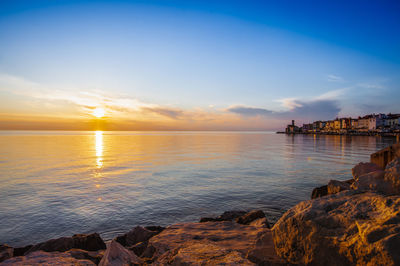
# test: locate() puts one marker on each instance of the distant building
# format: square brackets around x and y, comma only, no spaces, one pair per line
[292,128]
[376,121]
[392,121]
[354,124]
[363,123]
[345,123]
[307,127]
[336,124]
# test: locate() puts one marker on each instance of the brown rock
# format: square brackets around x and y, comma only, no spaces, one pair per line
[250,216]
[228,236]
[80,254]
[261,222]
[392,175]
[134,236]
[347,228]
[364,168]
[138,248]
[373,181]
[117,255]
[335,186]
[6,252]
[319,192]
[40,258]
[202,253]
[21,250]
[263,251]
[384,156]
[90,242]
[155,228]
[226,216]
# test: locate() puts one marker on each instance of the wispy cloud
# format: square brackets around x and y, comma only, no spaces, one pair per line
[334,78]
[249,111]
[86,100]
[164,111]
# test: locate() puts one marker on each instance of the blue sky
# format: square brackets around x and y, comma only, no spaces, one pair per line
[200,64]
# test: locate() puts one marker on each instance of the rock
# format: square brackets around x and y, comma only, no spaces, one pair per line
[94,256]
[134,236]
[263,252]
[202,253]
[226,216]
[319,192]
[373,181]
[155,228]
[392,175]
[346,228]
[6,252]
[46,258]
[116,255]
[230,215]
[350,181]
[250,216]
[261,222]
[21,250]
[139,248]
[384,156]
[90,242]
[60,244]
[364,168]
[335,186]
[223,237]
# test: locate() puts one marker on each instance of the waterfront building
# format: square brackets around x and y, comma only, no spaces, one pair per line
[363,124]
[376,121]
[337,124]
[292,128]
[354,124]
[392,121]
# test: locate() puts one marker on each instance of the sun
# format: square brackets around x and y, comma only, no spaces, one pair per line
[99,112]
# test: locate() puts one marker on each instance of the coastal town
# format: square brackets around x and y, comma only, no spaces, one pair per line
[372,124]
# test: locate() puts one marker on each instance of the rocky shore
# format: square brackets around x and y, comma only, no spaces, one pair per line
[353,222]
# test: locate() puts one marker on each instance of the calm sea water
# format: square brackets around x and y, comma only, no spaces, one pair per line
[56,184]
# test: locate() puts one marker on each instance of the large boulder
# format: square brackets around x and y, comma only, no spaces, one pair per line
[40,258]
[117,255]
[226,238]
[6,252]
[136,235]
[335,186]
[90,242]
[384,156]
[392,175]
[364,168]
[373,181]
[346,228]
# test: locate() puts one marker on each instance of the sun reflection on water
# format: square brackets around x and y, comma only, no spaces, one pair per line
[99,149]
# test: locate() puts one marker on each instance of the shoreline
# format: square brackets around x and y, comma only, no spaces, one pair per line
[360,214]
[366,134]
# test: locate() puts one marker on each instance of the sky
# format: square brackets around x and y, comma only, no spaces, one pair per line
[195,65]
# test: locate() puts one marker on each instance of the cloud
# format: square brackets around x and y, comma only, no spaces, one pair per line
[168,112]
[370,85]
[334,78]
[249,111]
[312,110]
[332,95]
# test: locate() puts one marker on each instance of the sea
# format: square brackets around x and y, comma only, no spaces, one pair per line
[59,183]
